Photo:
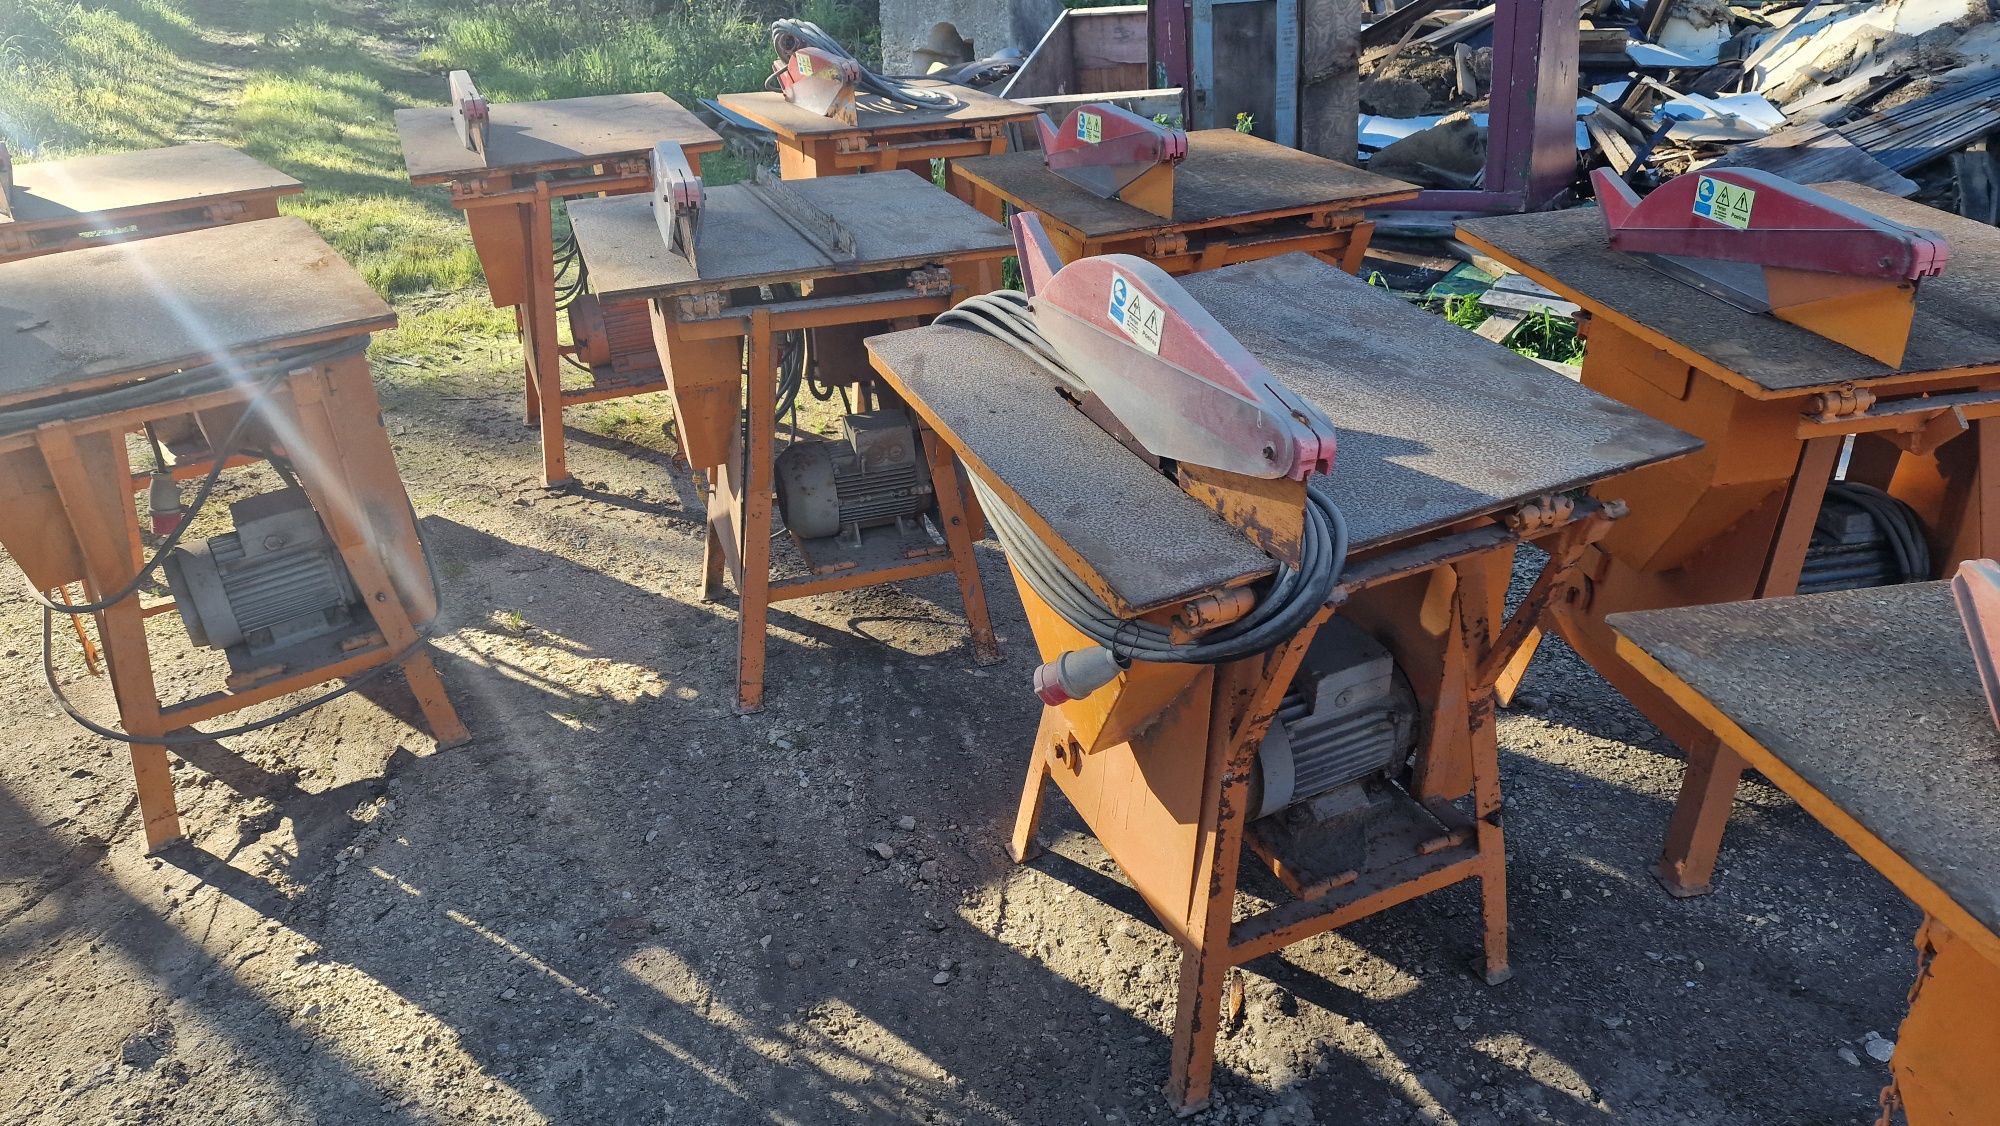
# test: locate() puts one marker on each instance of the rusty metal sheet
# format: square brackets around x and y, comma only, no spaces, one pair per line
[1226,176]
[1872,698]
[874,114]
[58,192]
[89,317]
[1148,541]
[1955,325]
[1433,423]
[527,137]
[897,219]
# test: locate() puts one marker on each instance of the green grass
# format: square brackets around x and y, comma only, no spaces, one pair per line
[1542,336]
[311,87]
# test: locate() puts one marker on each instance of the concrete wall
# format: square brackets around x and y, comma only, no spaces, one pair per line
[989,24]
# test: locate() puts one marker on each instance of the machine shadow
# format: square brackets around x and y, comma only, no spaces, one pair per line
[64,889]
[807,979]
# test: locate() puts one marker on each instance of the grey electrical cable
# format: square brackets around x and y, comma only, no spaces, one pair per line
[789,35]
[196,735]
[166,389]
[1006,314]
[1295,594]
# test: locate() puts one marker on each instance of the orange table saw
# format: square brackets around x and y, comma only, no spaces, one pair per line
[882,136]
[1850,423]
[781,280]
[257,331]
[507,163]
[54,205]
[1865,706]
[1231,198]
[1212,683]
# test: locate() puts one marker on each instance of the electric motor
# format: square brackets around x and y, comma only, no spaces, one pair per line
[870,476]
[618,335]
[274,581]
[1349,715]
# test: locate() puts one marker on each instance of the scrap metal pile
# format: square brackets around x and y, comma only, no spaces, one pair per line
[1897,94]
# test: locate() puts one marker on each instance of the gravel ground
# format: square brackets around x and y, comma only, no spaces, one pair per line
[623,903]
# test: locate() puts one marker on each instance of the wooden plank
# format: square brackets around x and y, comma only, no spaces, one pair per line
[1905,770]
[1501,325]
[526,137]
[1051,67]
[876,116]
[1330,78]
[1519,302]
[1954,328]
[898,219]
[1227,177]
[99,316]
[1105,38]
[106,188]
[1616,149]
[1391,28]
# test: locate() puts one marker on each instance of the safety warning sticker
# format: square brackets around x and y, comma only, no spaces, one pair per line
[1089,127]
[1136,313]
[1724,202]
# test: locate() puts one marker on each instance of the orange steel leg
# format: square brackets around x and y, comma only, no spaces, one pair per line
[351,471]
[1694,834]
[544,357]
[1023,846]
[1943,1068]
[89,472]
[754,526]
[949,486]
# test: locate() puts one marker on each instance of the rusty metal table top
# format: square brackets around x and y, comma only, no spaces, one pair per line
[1435,426]
[1957,324]
[898,219]
[875,114]
[1226,177]
[109,189]
[527,137]
[1863,699]
[107,314]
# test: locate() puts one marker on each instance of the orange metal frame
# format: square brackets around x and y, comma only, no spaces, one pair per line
[512,218]
[68,514]
[730,434]
[1943,1070]
[1165,786]
[1733,520]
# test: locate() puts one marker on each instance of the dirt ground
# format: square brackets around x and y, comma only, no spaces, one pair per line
[622,903]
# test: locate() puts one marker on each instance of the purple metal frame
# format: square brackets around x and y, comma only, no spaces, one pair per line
[1531,142]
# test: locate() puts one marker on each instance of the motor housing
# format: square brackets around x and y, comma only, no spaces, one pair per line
[274,581]
[871,476]
[1349,715]
[616,335]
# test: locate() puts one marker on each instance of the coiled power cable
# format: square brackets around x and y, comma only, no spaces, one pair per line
[789,35]
[1295,594]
